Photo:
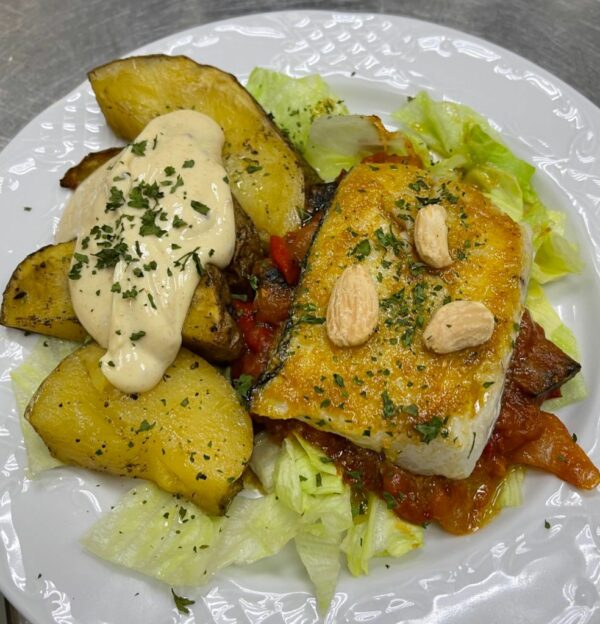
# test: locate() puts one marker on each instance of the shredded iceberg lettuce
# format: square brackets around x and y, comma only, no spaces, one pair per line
[46,354]
[306,480]
[294,102]
[464,144]
[380,534]
[338,143]
[510,491]
[543,313]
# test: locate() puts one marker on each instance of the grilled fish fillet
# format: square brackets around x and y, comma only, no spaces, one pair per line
[429,413]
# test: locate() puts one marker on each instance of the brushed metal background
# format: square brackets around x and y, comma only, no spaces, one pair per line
[46,46]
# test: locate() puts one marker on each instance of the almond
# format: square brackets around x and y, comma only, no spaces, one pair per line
[353,308]
[431,236]
[458,325]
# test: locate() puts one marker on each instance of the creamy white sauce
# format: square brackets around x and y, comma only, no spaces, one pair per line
[157,213]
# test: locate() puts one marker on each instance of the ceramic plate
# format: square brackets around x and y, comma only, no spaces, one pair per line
[515,570]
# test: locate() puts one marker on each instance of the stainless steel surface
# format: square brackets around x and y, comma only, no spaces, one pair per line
[46,46]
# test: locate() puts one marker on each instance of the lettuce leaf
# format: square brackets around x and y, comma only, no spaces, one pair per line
[510,492]
[45,356]
[379,534]
[294,102]
[308,482]
[337,143]
[464,145]
[543,313]
[172,540]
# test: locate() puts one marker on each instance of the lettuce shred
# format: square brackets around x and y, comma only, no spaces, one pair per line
[304,479]
[463,144]
[26,379]
[294,103]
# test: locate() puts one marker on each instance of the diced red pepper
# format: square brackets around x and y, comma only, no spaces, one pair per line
[299,240]
[284,259]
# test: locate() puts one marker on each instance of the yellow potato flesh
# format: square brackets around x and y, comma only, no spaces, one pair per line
[267,177]
[189,434]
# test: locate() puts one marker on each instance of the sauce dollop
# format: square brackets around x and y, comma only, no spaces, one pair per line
[146,224]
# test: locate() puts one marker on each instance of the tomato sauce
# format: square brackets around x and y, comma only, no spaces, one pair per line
[524,435]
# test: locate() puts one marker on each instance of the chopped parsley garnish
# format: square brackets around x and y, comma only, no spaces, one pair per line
[388,240]
[188,164]
[149,227]
[116,199]
[389,409]
[418,185]
[109,256]
[139,149]
[182,603]
[339,380]
[308,316]
[169,171]
[132,293]
[362,249]
[193,255]
[242,386]
[145,426]
[203,209]
[178,183]
[252,166]
[429,430]
[137,335]
[137,199]
[390,500]
[178,222]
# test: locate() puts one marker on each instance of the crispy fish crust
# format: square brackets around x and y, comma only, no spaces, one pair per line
[429,413]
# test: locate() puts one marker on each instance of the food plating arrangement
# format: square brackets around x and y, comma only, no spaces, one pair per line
[294,324]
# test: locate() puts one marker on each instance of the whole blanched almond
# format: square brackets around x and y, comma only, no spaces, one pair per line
[353,308]
[458,325]
[431,236]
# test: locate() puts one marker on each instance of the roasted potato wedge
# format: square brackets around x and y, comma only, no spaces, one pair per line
[79,172]
[268,178]
[37,299]
[189,434]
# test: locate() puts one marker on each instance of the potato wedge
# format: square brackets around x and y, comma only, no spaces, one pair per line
[79,172]
[37,299]
[268,178]
[189,434]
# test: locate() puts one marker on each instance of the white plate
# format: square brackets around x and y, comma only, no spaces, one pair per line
[513,571]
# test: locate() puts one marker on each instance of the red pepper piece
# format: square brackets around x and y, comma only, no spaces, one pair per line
[284,260]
